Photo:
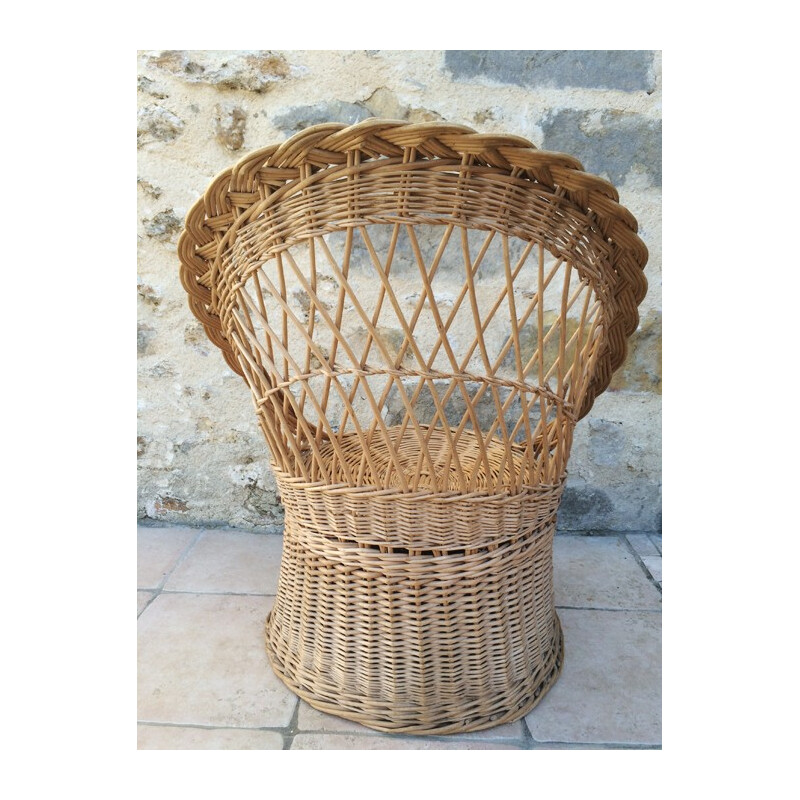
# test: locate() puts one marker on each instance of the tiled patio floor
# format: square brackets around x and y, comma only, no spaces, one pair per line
[205,682]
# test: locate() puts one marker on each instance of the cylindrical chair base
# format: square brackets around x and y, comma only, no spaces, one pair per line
[436,638]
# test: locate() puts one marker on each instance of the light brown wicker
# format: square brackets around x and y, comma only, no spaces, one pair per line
[422,313]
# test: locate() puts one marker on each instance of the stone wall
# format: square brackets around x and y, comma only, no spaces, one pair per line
[201,457]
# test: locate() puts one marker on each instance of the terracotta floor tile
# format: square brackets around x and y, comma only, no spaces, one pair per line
[202,661]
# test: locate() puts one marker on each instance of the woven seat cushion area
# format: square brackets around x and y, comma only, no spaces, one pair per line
[422,314]
[402,463]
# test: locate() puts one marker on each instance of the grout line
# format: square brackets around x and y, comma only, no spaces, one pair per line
[215,593]
[147,605]
[593,746]
[148,523]
[627,543]
[370,733]
[653,537]
[156,591]
[527,737]
[198,726]
[613,610]
[423,739]
[209,727]
[182,557]
[290,731]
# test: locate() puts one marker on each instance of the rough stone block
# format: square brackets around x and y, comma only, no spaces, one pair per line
[626,70]
[194,335]
[149,189]
[164,226]
[152,296]
[300,117]
[229,125]
[144,335]
[606,442]
[423,115]
[581,506]
[384,103]
[148,86]
[641,371]
[155,123]
[608,143]
[634,505]
[250,70]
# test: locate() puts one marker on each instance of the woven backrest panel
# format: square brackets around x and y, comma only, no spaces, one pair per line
[416,307]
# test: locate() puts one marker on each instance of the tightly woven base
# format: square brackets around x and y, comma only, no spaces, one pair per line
[458,717]
[424,613]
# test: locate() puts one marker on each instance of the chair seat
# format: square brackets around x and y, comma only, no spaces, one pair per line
[403,465]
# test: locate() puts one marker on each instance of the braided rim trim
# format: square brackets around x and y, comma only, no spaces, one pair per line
[212,222]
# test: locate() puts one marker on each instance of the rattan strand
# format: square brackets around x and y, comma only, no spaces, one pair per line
[415,592]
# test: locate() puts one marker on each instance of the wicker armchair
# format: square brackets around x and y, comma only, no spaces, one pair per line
[422,314]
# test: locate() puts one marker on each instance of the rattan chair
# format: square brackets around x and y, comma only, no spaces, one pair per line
[422,314]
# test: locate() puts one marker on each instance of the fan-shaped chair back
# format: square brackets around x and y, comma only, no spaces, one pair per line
[416,306]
